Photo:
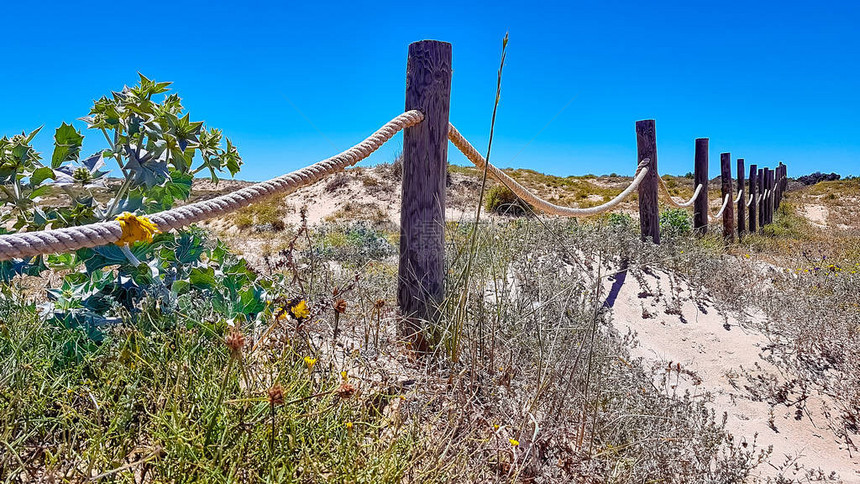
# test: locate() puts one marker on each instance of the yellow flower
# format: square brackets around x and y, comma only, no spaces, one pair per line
[135,228]
[300,310]
[344,376]
[282,314]
[495,426]
[348,426]
[514,442]
[310,362]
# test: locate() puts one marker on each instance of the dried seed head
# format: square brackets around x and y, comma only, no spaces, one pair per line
[379,303]
[276,395]
[345,390]
[340,306]
[235,341]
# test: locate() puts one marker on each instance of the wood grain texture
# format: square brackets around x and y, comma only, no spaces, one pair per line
[761,188]
[753,189]
[767,202]
[770,186]
[646,145]
[742,202]
[421,273]
[726,189]
[700,177]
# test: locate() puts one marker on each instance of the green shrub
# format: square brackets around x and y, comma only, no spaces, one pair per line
[501,200]
[619,220]
[675,222]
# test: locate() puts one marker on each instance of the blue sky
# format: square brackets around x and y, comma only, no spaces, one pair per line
[293,83]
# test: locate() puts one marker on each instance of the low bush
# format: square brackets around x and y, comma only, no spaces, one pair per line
[675,222]
[501,200]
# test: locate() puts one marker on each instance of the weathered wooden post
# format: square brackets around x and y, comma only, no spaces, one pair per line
[421,274]
[753,208]
[726,189]
[780,185]
[764,191]
[775,187]
[646,146]
[742,204]
[771,186]
[700,177]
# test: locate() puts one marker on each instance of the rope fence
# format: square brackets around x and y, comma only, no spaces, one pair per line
[69,239]
[427,131]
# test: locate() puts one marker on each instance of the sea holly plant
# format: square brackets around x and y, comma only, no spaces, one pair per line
[154,144]
[22,177]
[159,150]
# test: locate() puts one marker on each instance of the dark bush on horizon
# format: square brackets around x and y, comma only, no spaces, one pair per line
[817,177]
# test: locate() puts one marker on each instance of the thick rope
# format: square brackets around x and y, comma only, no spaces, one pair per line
[472,155]
[738,198]
[102,233]
[668,196]
[720,213]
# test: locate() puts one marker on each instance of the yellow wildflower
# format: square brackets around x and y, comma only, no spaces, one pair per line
[348,426]
[135,228]
[344,376]
[300,310]
[514,442]
[310,362]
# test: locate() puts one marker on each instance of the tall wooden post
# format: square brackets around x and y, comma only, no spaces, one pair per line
[770,203]
[700,177]
[775,187]
[780,186]
[764,200]
[421,274]
[784,187]
[726,189]
[646,145]
[753,208]
[742,201]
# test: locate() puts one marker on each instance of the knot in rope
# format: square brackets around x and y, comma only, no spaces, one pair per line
[643,164]
[135,228]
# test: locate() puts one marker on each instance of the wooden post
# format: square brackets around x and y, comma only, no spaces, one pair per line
[700,177]
[760,181]
[775,188]
[753,209]
[742,201]
[764,201]
[780,186]
[421,273]
[770,204]
[646,145]
[726,189]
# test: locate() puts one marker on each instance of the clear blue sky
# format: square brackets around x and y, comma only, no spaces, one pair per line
[294,82]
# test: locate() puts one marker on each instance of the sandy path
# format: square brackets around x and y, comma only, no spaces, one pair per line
[723,355]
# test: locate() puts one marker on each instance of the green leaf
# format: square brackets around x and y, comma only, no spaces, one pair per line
[202,277]
[250,301]
[67,145]
[40,175]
